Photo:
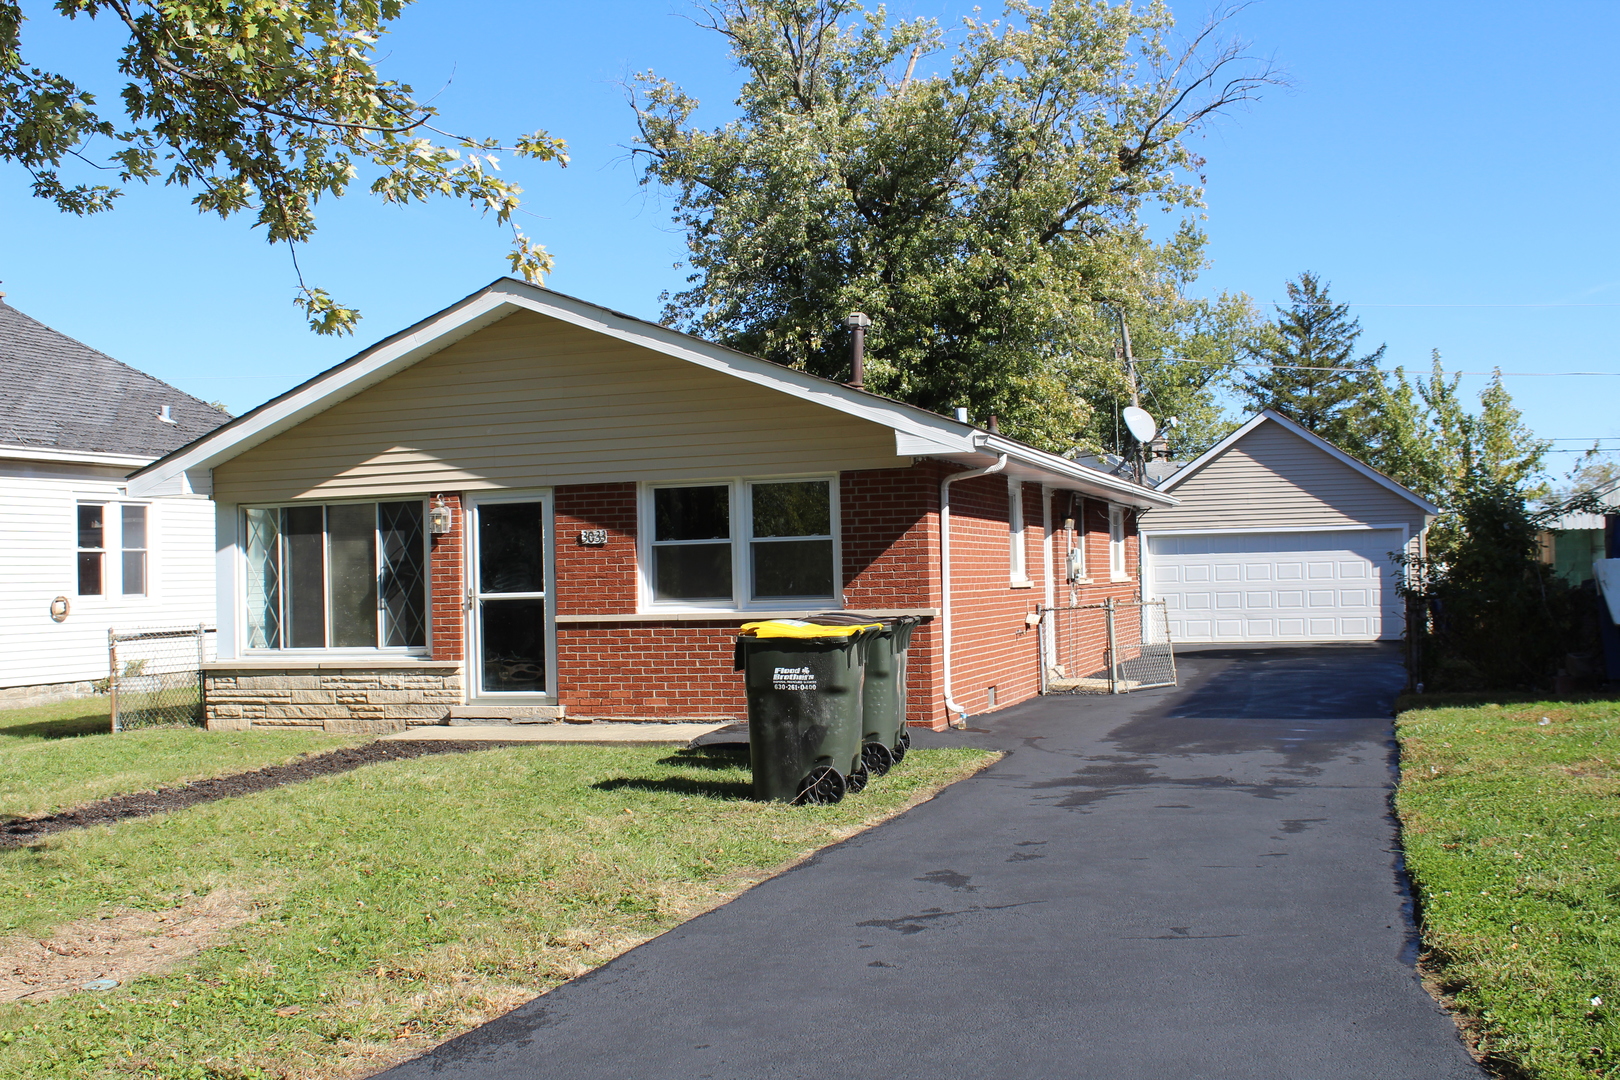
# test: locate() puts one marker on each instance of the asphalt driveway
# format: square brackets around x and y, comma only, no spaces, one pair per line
[1189,883]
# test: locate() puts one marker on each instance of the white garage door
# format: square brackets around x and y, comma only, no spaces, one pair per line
[1300,586]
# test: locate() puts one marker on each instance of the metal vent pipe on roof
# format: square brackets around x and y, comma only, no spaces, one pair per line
[857,323]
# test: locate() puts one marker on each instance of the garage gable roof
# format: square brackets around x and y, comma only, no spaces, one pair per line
[918,432]
[1273,417]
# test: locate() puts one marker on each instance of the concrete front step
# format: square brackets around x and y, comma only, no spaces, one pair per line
[485,715]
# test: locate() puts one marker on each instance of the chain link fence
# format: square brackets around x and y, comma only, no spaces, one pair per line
[154,675]
[1109,648]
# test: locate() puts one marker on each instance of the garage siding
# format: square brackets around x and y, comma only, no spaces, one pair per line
[1273,479]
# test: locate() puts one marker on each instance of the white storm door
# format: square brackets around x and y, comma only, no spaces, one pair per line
[511,653]
[1284,586]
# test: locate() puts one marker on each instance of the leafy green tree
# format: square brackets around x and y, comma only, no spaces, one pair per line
[263,106]
[1309,368]
[986,216]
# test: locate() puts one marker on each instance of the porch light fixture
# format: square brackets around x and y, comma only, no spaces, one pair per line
[439,519]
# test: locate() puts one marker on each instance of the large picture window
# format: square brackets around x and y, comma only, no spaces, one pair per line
[740,542]
[344,576]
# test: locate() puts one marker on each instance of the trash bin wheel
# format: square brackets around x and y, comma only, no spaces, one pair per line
[877,758]
[855,782]
[822,785]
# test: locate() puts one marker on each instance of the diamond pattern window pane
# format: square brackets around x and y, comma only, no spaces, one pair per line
[404,577]
[264,579]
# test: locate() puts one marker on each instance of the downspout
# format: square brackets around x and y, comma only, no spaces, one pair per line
[951,705]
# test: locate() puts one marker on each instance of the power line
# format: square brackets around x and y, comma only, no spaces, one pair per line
[1368,371]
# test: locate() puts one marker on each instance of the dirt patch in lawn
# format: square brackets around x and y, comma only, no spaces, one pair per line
[164,800]
[115,947]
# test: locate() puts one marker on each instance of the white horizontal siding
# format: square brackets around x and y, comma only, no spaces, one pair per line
[38,540]
[1271,478]
[530,402]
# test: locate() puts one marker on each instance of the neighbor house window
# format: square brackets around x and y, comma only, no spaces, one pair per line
[132,538]
[1015,533]
[1116,543]
[92,548]
[729,544]
[344,576]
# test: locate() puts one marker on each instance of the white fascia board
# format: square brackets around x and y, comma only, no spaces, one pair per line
[493,303]
[358,373]
[1315,440]
[77,457]
[1038,466]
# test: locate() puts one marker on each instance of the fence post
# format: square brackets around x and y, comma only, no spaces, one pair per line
[202,683]
[1040,644]
[112,675]
[1113,647]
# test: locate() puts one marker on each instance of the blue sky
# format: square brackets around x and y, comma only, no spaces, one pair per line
[1447,166]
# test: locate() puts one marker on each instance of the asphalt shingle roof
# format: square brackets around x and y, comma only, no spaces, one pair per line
[60,394]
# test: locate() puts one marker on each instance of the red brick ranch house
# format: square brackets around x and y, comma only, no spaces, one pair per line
[530,503]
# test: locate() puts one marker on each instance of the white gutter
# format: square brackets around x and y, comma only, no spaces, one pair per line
[951,705]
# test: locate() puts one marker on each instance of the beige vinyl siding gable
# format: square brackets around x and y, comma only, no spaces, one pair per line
[1273,478]
[532,401]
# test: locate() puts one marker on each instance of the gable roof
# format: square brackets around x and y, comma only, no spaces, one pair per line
[1273,417]
[60,396]
[918,432]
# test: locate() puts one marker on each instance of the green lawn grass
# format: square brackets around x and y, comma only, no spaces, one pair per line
[53,757]
[405,902]
[1511,821]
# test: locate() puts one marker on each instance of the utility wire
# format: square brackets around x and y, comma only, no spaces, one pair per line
[1362,370]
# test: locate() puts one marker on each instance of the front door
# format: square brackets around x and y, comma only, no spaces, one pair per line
[511,624]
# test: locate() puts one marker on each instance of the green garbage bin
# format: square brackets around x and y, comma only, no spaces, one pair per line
[884,738]
[804,708]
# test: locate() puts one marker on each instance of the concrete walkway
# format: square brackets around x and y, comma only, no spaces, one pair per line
[615,734]
[1172,885]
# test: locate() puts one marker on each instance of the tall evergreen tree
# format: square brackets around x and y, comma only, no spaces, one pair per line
[1310,372]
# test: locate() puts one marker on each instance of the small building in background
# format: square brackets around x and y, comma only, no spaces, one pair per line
[78,554]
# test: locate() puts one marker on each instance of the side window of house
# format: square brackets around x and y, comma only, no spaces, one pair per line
[92,549]
[132,538]
[691,550]
[1116,542]
[345,576]
[1016,566]
[790,540]
[785,550]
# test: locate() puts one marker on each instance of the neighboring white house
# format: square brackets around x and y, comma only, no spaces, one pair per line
[77,554]
[1281,536]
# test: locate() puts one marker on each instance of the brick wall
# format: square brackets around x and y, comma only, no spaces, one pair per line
[595,580]
[1081,637]
[447,589]
[992,643]
[890,520]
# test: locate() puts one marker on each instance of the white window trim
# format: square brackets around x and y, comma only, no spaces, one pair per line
[348,652]
[112,552]
[741,548]
[1118,562]
[1017,549]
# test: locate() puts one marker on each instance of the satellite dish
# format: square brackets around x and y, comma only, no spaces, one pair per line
[1140,424]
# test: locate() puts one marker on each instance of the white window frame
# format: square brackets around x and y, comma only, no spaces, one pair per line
[145,550]
[239,598]
[742,572]
[1118,566]
[108,532]
[1017,542]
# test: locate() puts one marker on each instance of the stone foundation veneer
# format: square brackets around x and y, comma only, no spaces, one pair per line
[342,697]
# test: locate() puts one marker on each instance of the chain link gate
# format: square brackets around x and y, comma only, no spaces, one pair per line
[1109,648]
[154,676]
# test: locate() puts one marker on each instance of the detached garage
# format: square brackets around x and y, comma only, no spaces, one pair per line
[1280,536]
